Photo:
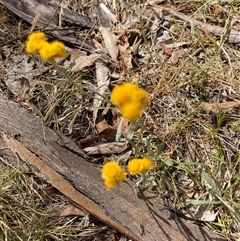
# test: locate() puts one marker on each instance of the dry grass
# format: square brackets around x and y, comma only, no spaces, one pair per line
[27,214]
[198,160]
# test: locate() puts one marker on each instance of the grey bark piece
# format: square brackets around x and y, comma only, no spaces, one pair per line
[49,19]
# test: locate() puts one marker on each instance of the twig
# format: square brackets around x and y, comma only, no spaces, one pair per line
[233,36]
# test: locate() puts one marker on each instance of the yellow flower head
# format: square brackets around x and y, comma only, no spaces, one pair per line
[141,97]
[134,166]
[35,42]
[120,95]
[146,165]
[112,174]
[50,51]
[137,166]
[131,111]
[130,100]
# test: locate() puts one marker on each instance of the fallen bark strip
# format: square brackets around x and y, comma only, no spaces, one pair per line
[31,146]
[50,19]
[232,37]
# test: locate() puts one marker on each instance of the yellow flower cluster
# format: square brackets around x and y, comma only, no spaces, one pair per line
[137,166]
[130,100]
[112,174]
[37,44]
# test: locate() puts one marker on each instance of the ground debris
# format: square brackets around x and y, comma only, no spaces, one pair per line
[184,54]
